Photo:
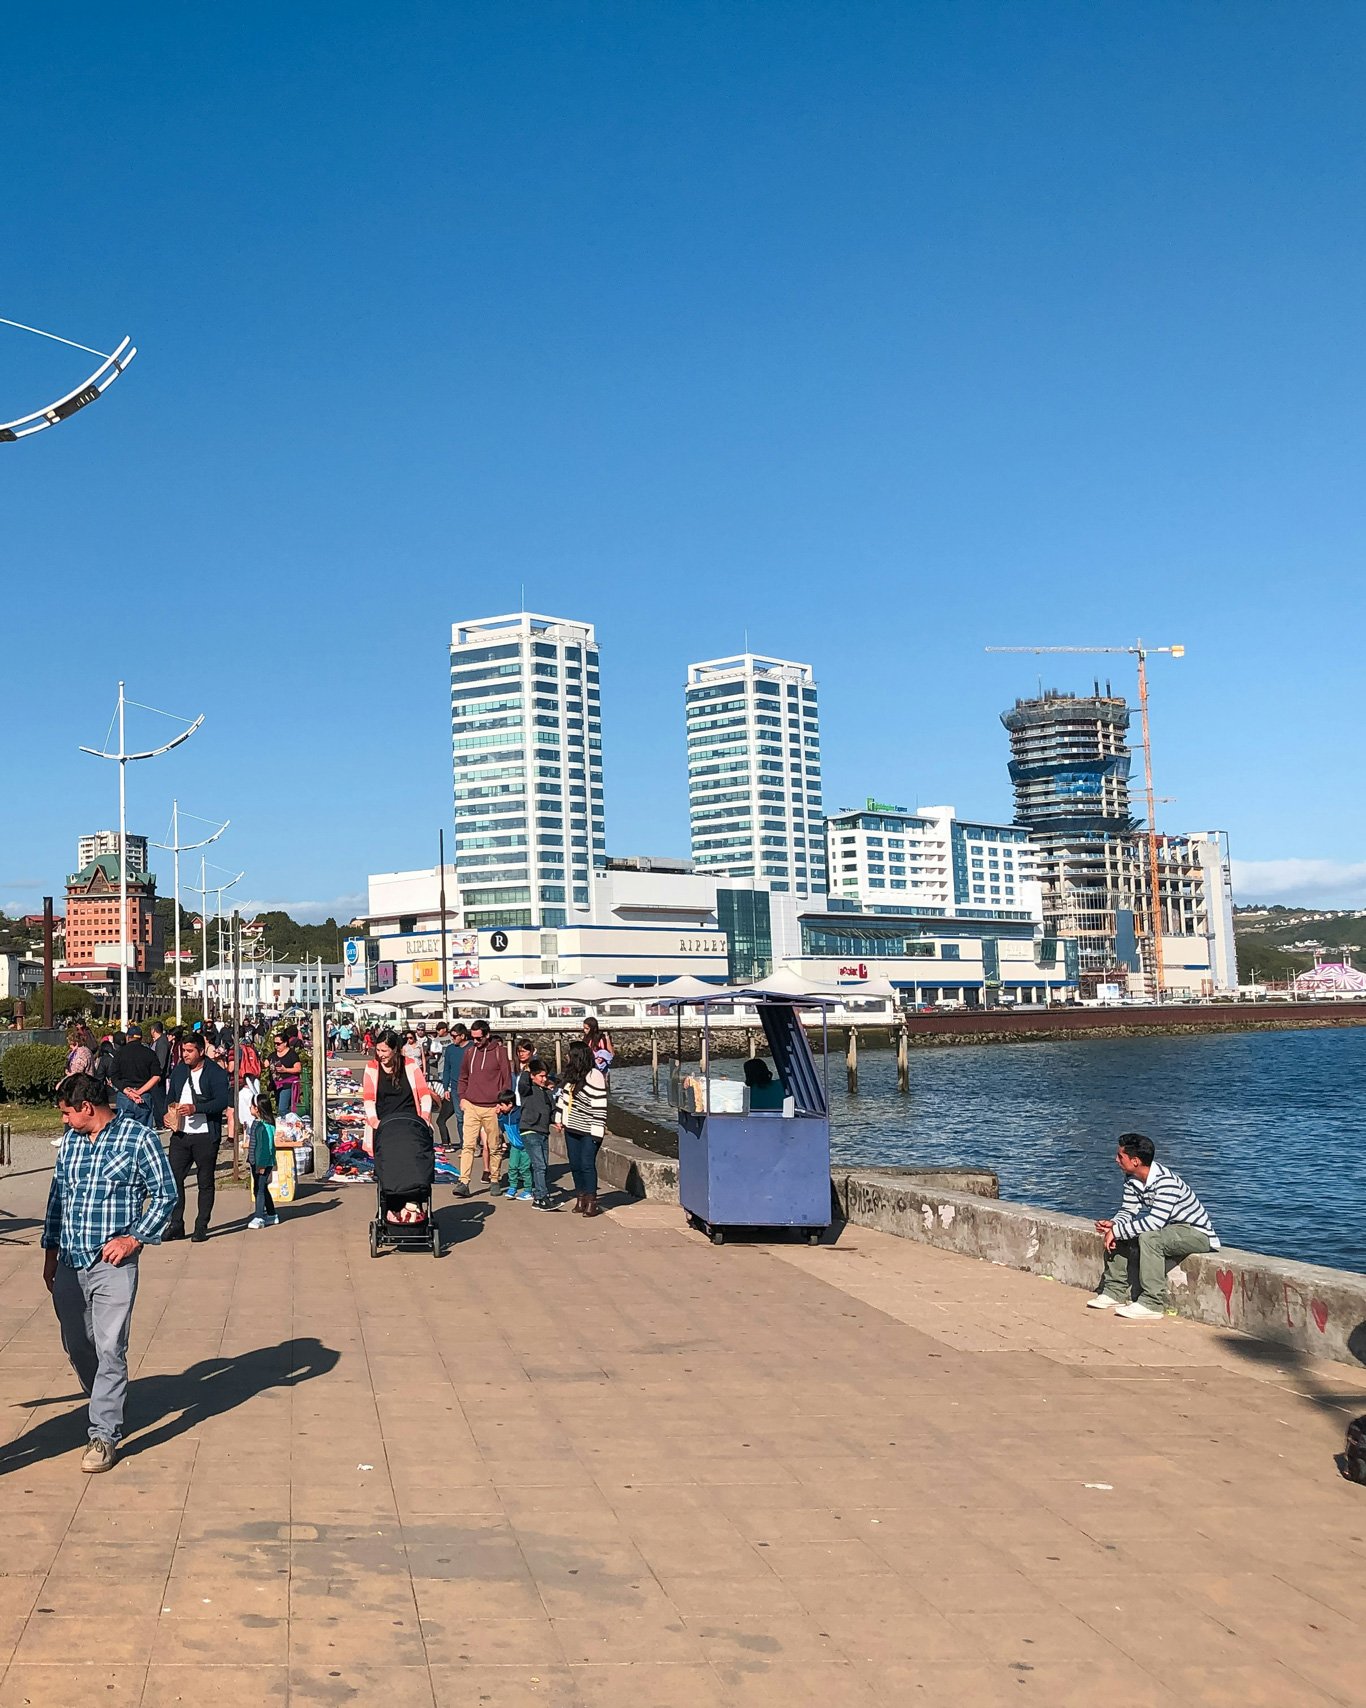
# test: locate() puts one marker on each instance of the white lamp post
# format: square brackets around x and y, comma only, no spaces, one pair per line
[124,757]
[177,848]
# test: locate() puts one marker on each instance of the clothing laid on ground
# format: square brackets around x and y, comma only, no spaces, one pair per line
[116,1183]
[1156,1202]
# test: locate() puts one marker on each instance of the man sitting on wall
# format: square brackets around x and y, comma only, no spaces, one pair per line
[1160,1221]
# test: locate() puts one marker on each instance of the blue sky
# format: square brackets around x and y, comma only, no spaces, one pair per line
[883,332]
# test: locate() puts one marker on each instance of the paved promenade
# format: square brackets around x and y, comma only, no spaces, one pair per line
[583,1465]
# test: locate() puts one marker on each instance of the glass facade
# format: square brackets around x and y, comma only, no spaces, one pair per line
[526,747]
[744,917]
[754,772]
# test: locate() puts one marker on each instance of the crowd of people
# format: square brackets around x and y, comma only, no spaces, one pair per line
[181,1082]
[496,1106]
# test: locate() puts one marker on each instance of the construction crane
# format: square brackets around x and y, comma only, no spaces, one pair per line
[1139,651]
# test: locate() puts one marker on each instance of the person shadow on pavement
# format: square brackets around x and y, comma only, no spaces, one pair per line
[163,1407]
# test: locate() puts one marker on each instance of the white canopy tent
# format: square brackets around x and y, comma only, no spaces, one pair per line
[589,991]
[684,989]
[494,993]
[399,996]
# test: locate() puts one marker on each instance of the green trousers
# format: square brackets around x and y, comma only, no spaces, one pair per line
[1153,1255]
[519,1170]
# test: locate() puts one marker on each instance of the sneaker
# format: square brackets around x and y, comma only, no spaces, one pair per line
[197,1238]
[272,1221]
[257,1222]
[510,1193]
[1101,1302]
[526,1196]
[543,1203]
[98,1456]
[1139,1312]
[460,1189]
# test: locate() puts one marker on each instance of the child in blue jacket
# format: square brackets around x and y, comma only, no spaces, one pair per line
[519,1163]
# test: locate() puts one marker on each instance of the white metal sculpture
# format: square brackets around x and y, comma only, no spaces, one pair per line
[110,368]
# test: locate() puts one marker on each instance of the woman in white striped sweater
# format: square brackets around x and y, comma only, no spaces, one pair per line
[585,1124]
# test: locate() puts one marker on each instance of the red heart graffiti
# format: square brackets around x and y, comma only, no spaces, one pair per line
[1224,1279]
[1319,1311]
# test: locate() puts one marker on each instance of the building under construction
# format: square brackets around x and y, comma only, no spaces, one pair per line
[1070,764]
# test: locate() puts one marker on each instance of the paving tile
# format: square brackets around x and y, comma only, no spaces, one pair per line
[62,1684]
[538,1687]
[230,1686]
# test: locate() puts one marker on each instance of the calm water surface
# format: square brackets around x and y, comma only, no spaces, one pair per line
[1268,1127]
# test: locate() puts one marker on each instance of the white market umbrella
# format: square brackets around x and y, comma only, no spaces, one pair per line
[403,996]
[684,989]
[594,990]
[491,995]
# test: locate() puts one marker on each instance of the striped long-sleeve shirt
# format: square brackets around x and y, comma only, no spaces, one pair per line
[1162,1198]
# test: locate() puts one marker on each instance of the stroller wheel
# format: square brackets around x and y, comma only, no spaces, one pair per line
[374,1239]
[436,1241]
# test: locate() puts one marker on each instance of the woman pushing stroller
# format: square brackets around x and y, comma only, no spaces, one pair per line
[398,1111]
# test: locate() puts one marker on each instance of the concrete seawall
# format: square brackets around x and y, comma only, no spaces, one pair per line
[1317,1312]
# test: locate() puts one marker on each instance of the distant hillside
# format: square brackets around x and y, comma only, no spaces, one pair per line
[1278,942]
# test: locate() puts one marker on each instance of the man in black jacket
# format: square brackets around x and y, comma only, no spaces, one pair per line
[203,1092]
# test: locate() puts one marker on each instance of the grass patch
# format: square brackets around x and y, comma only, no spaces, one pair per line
[31,1117]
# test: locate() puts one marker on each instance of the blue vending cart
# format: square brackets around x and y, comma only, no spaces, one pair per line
[741,1166]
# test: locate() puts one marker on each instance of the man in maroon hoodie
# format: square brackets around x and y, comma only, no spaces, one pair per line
[485,1073]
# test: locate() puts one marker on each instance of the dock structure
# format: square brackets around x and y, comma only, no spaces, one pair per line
[591,1464]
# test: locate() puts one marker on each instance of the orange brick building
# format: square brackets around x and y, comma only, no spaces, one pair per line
[92,917]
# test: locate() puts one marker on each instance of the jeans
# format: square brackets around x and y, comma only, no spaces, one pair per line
[95,1311]
[200,1151]
[144,1111]
[583,1161]
[285,1093]
[1153,1254]
[519,1170]
[537,1150]
[265,1204]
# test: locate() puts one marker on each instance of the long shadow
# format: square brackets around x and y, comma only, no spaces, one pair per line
[12,1226]
[461,1221]
[296,1212]
[1308,1373]
[163,1407]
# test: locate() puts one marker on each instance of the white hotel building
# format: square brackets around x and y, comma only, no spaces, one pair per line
[526,747]
[932,861]
[754,772]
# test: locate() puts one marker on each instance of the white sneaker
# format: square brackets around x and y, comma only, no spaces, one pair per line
[272,1221]
[256,1222]
[1139,1312]
[1101,1302]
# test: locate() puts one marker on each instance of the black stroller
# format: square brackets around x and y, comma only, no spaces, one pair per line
[405,1168]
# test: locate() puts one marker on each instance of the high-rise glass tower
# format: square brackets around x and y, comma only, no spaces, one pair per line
[526,744]
[754,771]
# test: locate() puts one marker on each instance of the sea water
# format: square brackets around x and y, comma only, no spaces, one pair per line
[1269,1128]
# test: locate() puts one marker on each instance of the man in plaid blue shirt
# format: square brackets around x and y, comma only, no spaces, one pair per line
[112,1193]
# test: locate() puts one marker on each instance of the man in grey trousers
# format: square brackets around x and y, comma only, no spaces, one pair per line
[112,1193]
